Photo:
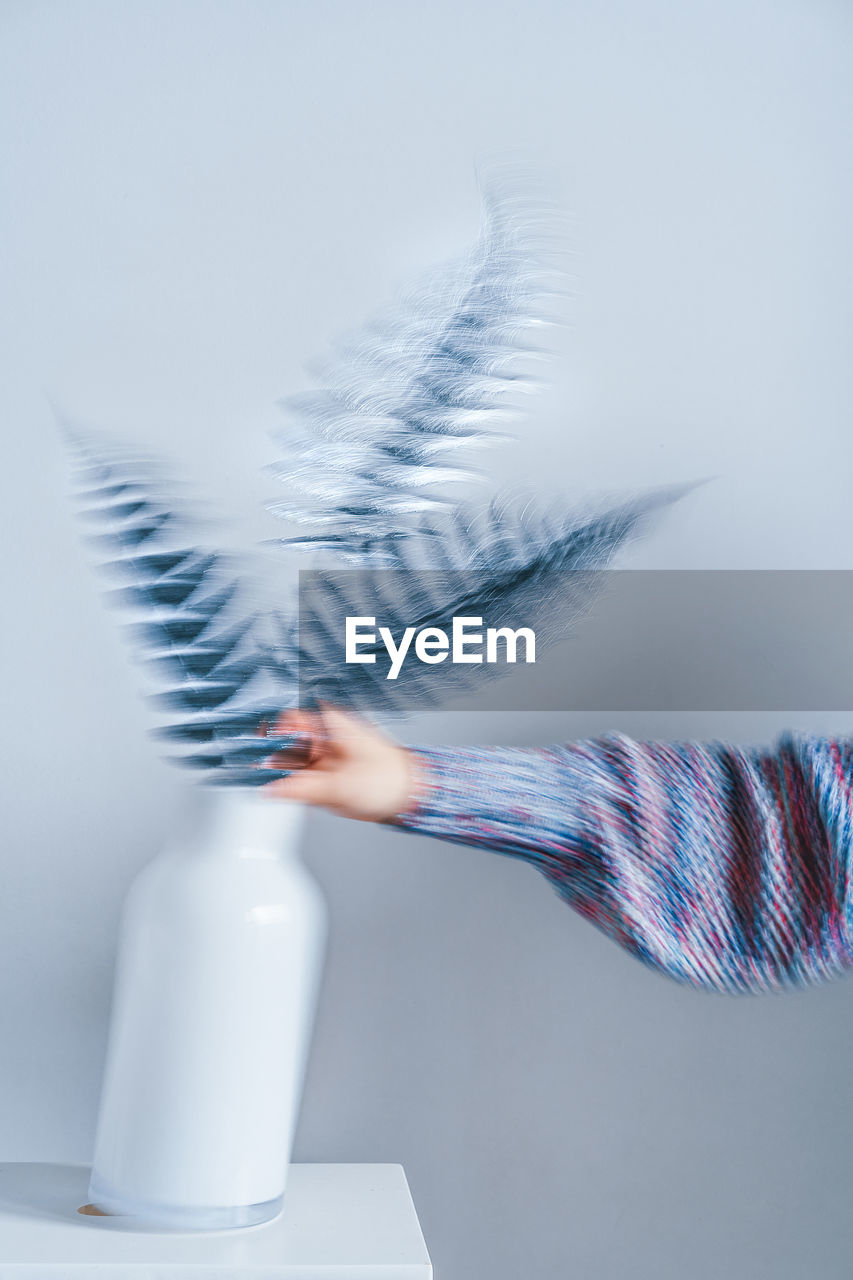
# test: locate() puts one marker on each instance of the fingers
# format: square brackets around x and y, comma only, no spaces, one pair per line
[308,725]
[307,786]
[328,718]
[354,770]
[329,735]
[298,721]
[340,724]
[348,731]
[341,767]
[309,783]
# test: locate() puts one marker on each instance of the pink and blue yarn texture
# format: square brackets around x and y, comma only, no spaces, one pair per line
[728,868]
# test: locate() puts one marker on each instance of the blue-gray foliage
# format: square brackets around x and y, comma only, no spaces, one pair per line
[374,465]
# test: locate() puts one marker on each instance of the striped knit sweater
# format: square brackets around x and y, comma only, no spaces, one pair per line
[728,868]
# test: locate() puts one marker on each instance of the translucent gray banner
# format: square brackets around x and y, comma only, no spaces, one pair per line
[773,640]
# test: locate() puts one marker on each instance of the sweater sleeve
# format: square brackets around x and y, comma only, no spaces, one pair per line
[724,867]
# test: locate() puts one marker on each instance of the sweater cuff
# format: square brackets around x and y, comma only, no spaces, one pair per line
[435,801]
[511,799]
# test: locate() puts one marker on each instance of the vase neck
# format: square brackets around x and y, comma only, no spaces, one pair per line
[238,822]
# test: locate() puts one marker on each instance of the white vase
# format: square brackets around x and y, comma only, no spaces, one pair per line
[220,954]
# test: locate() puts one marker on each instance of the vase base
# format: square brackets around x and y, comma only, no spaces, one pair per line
[139,1215]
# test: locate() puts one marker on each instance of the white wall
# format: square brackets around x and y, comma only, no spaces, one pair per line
[196,198]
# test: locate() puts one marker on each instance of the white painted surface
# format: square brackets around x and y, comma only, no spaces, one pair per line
[217,973]
[340,1221]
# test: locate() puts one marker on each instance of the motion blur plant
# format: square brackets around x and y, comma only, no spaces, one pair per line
[377,478]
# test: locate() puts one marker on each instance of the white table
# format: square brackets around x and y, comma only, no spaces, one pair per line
[340,1222]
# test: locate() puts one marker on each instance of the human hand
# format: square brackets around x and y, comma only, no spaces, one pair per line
[351,767]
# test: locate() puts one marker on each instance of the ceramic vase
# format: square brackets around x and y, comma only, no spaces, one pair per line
[220,954]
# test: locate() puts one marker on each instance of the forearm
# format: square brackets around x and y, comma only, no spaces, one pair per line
[722,866]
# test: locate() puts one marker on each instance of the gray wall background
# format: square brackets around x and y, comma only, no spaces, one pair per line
[196,198]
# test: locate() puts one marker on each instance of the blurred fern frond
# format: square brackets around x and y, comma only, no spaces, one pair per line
[376,475]
[211,660]
[513,564]
[377,447]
